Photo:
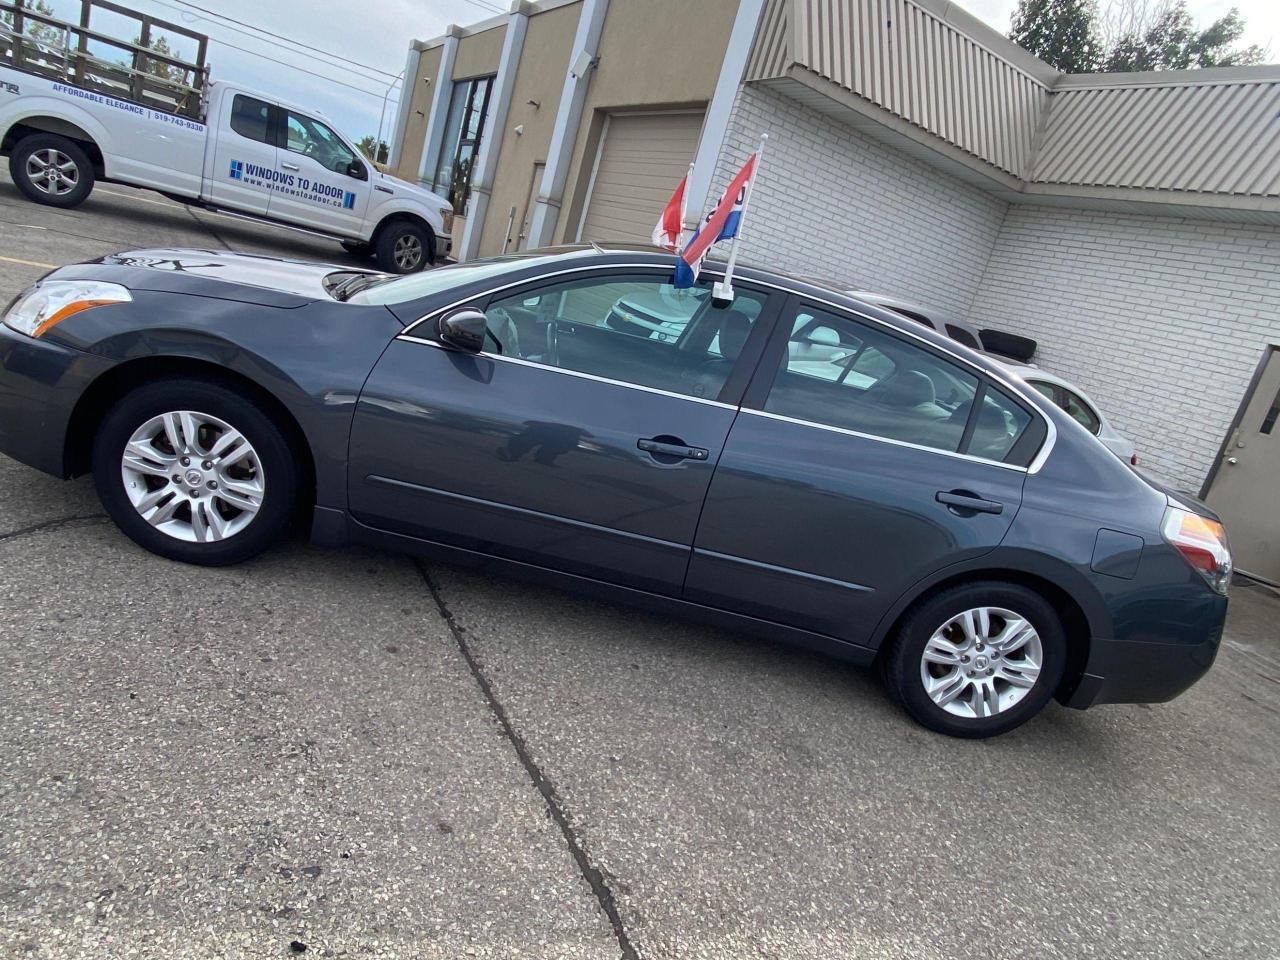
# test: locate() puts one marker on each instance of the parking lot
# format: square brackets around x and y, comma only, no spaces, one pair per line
[351,754]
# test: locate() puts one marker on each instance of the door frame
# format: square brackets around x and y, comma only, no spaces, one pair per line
[1268,352]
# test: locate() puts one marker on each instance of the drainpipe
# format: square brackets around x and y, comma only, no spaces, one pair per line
[439,105]
[573,96]
[410,79]
[716,124]
[495,128]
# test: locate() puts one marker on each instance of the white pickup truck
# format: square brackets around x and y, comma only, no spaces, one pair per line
[239,151]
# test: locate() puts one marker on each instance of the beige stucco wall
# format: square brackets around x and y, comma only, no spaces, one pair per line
[544,64]
[653,55]
[479,53]
[415,129]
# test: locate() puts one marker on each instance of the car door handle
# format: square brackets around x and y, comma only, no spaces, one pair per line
[290,166]
[960,500]
[663,448]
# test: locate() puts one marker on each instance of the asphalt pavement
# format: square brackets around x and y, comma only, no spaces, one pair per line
[351,754]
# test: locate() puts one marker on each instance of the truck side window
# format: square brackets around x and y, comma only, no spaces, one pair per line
[250,118]
[315,140]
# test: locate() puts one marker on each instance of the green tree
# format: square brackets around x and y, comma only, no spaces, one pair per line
[42,33]
[1062,33]
[1170,40]
[161,68]
[366,147]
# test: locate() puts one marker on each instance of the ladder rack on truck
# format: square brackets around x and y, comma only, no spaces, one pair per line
[126,69]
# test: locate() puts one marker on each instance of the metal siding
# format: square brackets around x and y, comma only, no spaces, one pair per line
[769,53]
[1201,137]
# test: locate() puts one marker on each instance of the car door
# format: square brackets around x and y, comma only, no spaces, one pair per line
[330,188]
[576,441]
[843,481]
[245,173]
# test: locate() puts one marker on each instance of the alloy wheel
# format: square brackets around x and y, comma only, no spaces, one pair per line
[193,476]
[407,252]
[53,172]
[981,662]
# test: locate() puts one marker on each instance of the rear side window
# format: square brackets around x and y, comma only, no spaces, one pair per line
[1081,412]
[251,118]
[842,373]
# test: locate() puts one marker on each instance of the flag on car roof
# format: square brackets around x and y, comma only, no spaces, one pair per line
[722,223]
[671,224]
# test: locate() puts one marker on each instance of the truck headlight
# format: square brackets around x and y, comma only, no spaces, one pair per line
[37,309]
[446,217]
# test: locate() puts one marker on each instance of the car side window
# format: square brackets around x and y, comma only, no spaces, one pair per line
[314,139]
[845,374]
[1081,412]
[1044,388]
[251,118]
[842,373]
[634,329]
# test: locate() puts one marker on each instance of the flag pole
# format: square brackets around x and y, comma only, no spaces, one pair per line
[723,290]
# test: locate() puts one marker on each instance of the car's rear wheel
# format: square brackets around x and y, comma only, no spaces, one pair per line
[404,247]
[977,660]
[191,470]
[52,170]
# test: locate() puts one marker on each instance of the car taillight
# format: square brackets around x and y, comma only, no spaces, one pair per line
[1202,543]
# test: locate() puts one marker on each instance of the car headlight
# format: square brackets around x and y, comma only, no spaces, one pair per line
[49,302]
[446,216]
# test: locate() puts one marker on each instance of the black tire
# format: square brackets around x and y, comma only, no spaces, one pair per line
[20,164]
[405,231]
[358,248]
[902,661]
[279,469]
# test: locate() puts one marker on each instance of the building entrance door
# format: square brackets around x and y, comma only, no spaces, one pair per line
[1245,483]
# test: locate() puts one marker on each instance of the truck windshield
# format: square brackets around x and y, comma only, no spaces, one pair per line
[416,286]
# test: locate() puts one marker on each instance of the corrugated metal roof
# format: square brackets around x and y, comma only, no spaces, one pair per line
[928,63]
[769,53]
[1210,137]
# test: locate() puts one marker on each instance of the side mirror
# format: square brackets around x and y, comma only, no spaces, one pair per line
[464,330]
[356,169]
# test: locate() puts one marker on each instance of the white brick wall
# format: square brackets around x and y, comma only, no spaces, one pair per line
[829,202]
[1160,321]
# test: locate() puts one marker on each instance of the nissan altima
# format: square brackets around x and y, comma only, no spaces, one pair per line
[793,463]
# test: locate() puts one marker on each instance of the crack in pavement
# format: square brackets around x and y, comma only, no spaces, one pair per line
[591,873]
[50,524]
[207,228]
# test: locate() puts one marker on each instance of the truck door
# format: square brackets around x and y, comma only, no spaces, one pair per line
[245,173]
[331,191]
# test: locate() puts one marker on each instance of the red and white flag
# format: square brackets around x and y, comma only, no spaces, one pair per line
[671,224]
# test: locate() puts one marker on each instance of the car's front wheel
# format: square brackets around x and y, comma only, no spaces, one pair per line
[978,659]
[191,470]
[404,247]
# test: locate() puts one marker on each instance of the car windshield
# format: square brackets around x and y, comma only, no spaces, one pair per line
[416,286]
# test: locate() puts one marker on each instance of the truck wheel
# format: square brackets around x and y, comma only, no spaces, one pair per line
[52,170]
[404,247]
[358,248]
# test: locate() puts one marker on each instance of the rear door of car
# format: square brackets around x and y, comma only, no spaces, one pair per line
[575,441]
[842,482]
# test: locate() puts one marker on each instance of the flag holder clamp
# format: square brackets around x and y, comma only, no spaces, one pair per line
[722,290]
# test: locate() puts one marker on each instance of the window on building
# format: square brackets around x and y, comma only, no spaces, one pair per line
[464,126]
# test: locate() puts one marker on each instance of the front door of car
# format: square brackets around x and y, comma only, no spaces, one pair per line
[328,186]
[577,440]
[245,175]
[842,482]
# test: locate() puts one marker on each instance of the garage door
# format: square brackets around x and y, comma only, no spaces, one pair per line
[641,160]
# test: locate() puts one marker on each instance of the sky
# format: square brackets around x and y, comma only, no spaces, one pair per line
[375,34]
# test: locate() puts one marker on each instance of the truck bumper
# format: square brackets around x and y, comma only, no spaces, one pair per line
[444,246]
